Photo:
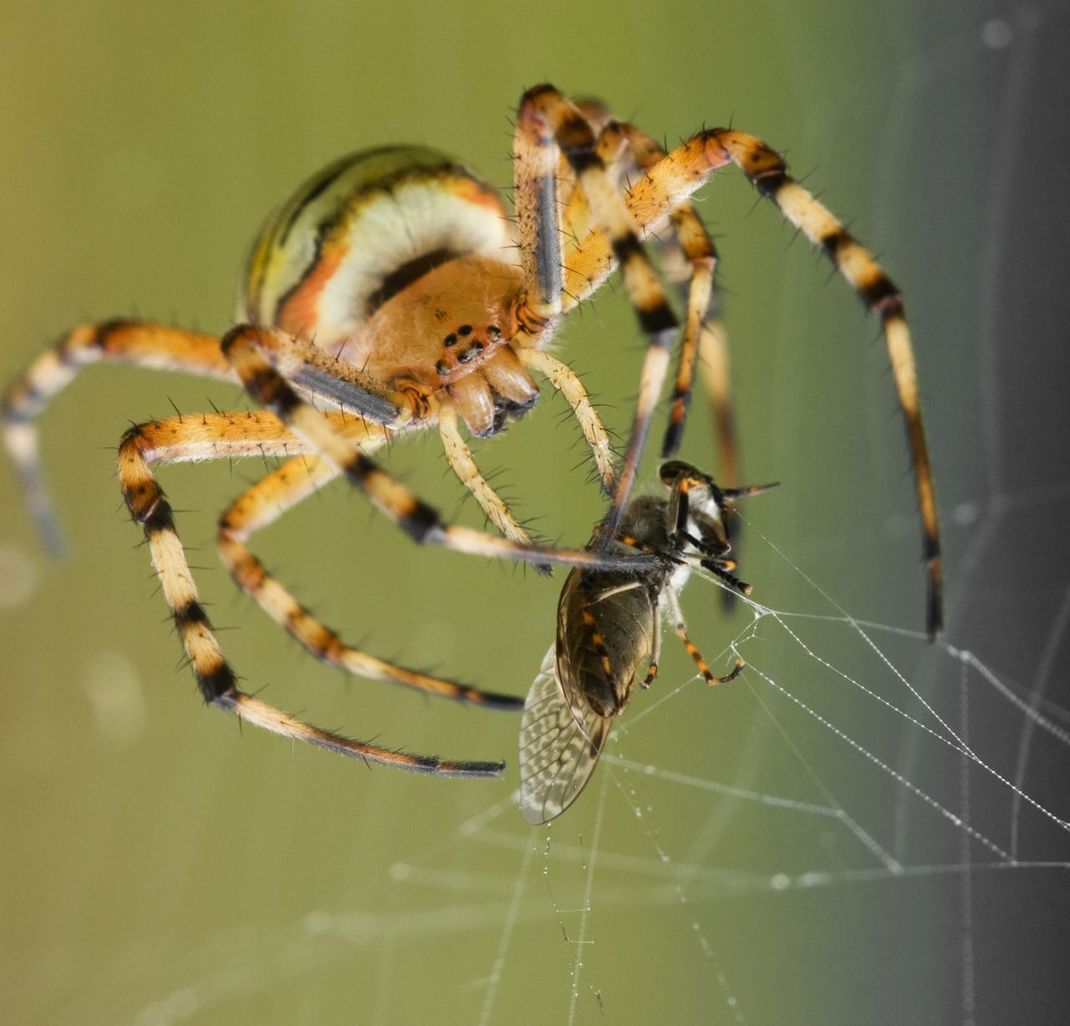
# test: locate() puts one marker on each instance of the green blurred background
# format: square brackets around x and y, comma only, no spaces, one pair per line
[159,866]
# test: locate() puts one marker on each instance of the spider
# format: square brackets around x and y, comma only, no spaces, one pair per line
[392,293]
[609,631]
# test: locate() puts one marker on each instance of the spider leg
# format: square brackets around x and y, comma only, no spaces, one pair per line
[627,151]
[464,466]
[219,436]
[245,347]
[334,381]
[669,182]
[144,344]
[713,356]
[267,500]
[536,198]
[702,330]
[549,125]
[565,380]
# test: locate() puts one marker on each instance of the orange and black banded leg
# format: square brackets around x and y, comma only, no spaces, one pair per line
[542,187]
[552,124]
[267,500]
[700,254]
[537,202]
[219,436]
[703,667]
[141,343]
[663,187]
[627,151]
[767,171]
[717,380]
[245,348]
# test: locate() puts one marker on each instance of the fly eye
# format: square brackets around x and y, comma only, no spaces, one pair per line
[671,470]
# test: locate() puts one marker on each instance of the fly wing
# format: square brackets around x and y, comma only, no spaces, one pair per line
[561,738]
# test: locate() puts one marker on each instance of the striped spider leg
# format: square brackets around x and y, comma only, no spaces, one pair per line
[665,185]
[215,436]
[558,166]
[388,288]
[689,258]
[351,291]
[259,433]
[609,634]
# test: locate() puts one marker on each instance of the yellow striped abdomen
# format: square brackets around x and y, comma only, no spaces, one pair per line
[360,231]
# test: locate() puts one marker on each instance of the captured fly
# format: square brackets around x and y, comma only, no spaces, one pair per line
[609,634]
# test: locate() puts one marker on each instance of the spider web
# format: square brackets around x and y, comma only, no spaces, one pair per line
[851,792]
[893,809]
[863,828]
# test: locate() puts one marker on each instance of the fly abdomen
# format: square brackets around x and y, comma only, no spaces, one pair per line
[607,624]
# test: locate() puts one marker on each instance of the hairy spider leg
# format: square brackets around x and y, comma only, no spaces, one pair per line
[663,187]
[162,347]
[717,380]
[219,436]
[246,346]
[145,344]
[262,504]
[460,459]
[633,152]
[567,382]
[549,126]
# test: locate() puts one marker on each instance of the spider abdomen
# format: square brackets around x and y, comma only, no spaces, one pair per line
[361,231]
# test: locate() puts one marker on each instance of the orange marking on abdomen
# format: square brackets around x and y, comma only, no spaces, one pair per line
[299,313]
[474,192]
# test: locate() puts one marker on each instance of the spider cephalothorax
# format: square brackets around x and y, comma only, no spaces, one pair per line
[393,293]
